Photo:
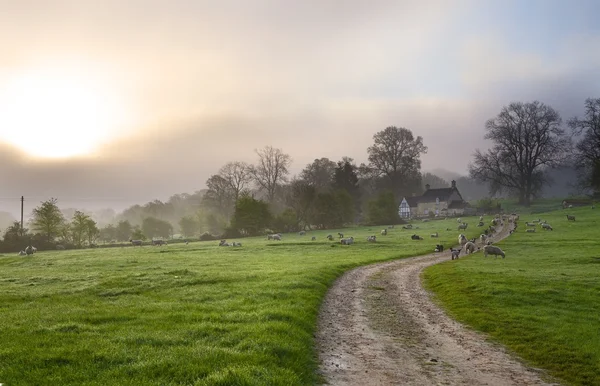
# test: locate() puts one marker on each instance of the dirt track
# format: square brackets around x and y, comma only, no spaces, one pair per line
[378,326]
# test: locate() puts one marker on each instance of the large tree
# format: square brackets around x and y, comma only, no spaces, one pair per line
[251,216]
[219,196]
[319,174]
[345,178]
[528,140]
[300,197]
[271,170]
[587,155]
[48,219]
[154,227]
[395,155]
[238,176]
[79,227]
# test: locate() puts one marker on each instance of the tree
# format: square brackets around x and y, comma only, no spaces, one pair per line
[12,234]
[383,209]
[395,155]
[91,231]
[345,177]
[319,174]
[79,227]
[528,140]
[587,154]
[219,195]
[108,233]
[189,226]
[48,219]
[137,234]
[271,170]
[301,197]
[434,181]
[124,230]
[154,227]
[238,176]
[251,216]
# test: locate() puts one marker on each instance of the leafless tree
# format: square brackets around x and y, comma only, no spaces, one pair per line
[587,155]
[528,139]
[271,170]
[238,176]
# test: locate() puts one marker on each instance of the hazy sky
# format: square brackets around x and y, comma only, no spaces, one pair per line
[126,101]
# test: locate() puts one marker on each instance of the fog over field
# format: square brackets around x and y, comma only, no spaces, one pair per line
[111,103]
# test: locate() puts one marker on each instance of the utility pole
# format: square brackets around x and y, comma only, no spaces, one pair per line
[22,199]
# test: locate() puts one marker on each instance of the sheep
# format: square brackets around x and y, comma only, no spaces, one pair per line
[462,239]
[390,227]
[236,244]
[480,218]
[459,220]
[547,227]
[301,233]
[329,237]
[492,229]
[269,237]
[455,253]
[22,253]
[434,234]
[29,250]
[133,242]
[570,218]
[494,222]
[341,235]
[277,237]
[481,223]
[372,239]
[493,250]
[469,247]
[409,226]
[159,242]
[416,237]
[439,248]
[463,226]
[223,243]
[530,230]
[347,241]
[384,232]
[529,224]
[483,237]
[313,238]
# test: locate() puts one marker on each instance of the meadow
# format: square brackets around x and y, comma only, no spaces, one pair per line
[194,314]
[542,301]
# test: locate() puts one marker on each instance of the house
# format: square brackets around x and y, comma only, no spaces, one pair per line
[442,202]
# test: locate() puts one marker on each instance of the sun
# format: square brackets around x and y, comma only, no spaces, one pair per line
[57,113]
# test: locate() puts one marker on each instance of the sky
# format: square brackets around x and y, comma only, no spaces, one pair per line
[110,103]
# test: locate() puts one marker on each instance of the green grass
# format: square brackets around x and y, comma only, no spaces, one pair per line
[542,301]
[194,314]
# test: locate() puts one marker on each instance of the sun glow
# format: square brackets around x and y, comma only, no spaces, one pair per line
[57,113]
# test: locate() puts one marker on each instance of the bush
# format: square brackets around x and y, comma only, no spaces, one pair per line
[208,237]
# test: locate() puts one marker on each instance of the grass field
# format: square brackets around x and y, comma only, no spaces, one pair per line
[542,301]
[194,314]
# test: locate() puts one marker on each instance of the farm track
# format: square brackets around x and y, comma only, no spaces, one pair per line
[379,326]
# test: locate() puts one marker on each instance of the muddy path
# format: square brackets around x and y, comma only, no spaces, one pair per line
[378,326]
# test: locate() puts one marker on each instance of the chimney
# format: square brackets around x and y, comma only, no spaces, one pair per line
[453,184]
[427,186]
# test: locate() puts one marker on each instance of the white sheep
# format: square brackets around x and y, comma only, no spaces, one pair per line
[483,238]
[463,226]
[530,224]
[547,227]
[21,253]
[493,250]
[480,218]
[384,232]
[313,238]
[462,239]
[455,253]
[372,239]
[469,247]
[236,244]
[277,237]
[435,234]
[459,220]
[347,241]
[530,230]
[570,218]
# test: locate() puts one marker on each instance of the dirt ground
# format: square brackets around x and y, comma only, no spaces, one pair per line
[378,326]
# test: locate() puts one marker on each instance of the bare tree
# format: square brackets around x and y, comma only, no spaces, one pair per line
[587,155]
[528,139]
[238,175]
[396,156]
[271,170]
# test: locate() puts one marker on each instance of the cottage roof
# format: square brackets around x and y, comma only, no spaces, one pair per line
[412,201]
[443,194]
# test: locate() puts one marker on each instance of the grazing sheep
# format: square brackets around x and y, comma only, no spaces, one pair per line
[372,239]
[439,248]
[329,237]
[341,235]
[462,239]
[570,218]
[455,253]
[434,234]
[236,244]
[547,227]
[159,242]
[463,226]
[301,233]
[21,253]
[480,224]
[384,232]
[347,241]
[62,247]
[492,250]
[531,230]
[277,237]
[223,243]
[483,237]
[313,238]
[409,226]
[459,220]
[416,237]
[29,250]
[269,237]
[530,224]
[133,242]
[469,247]
[492,229]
